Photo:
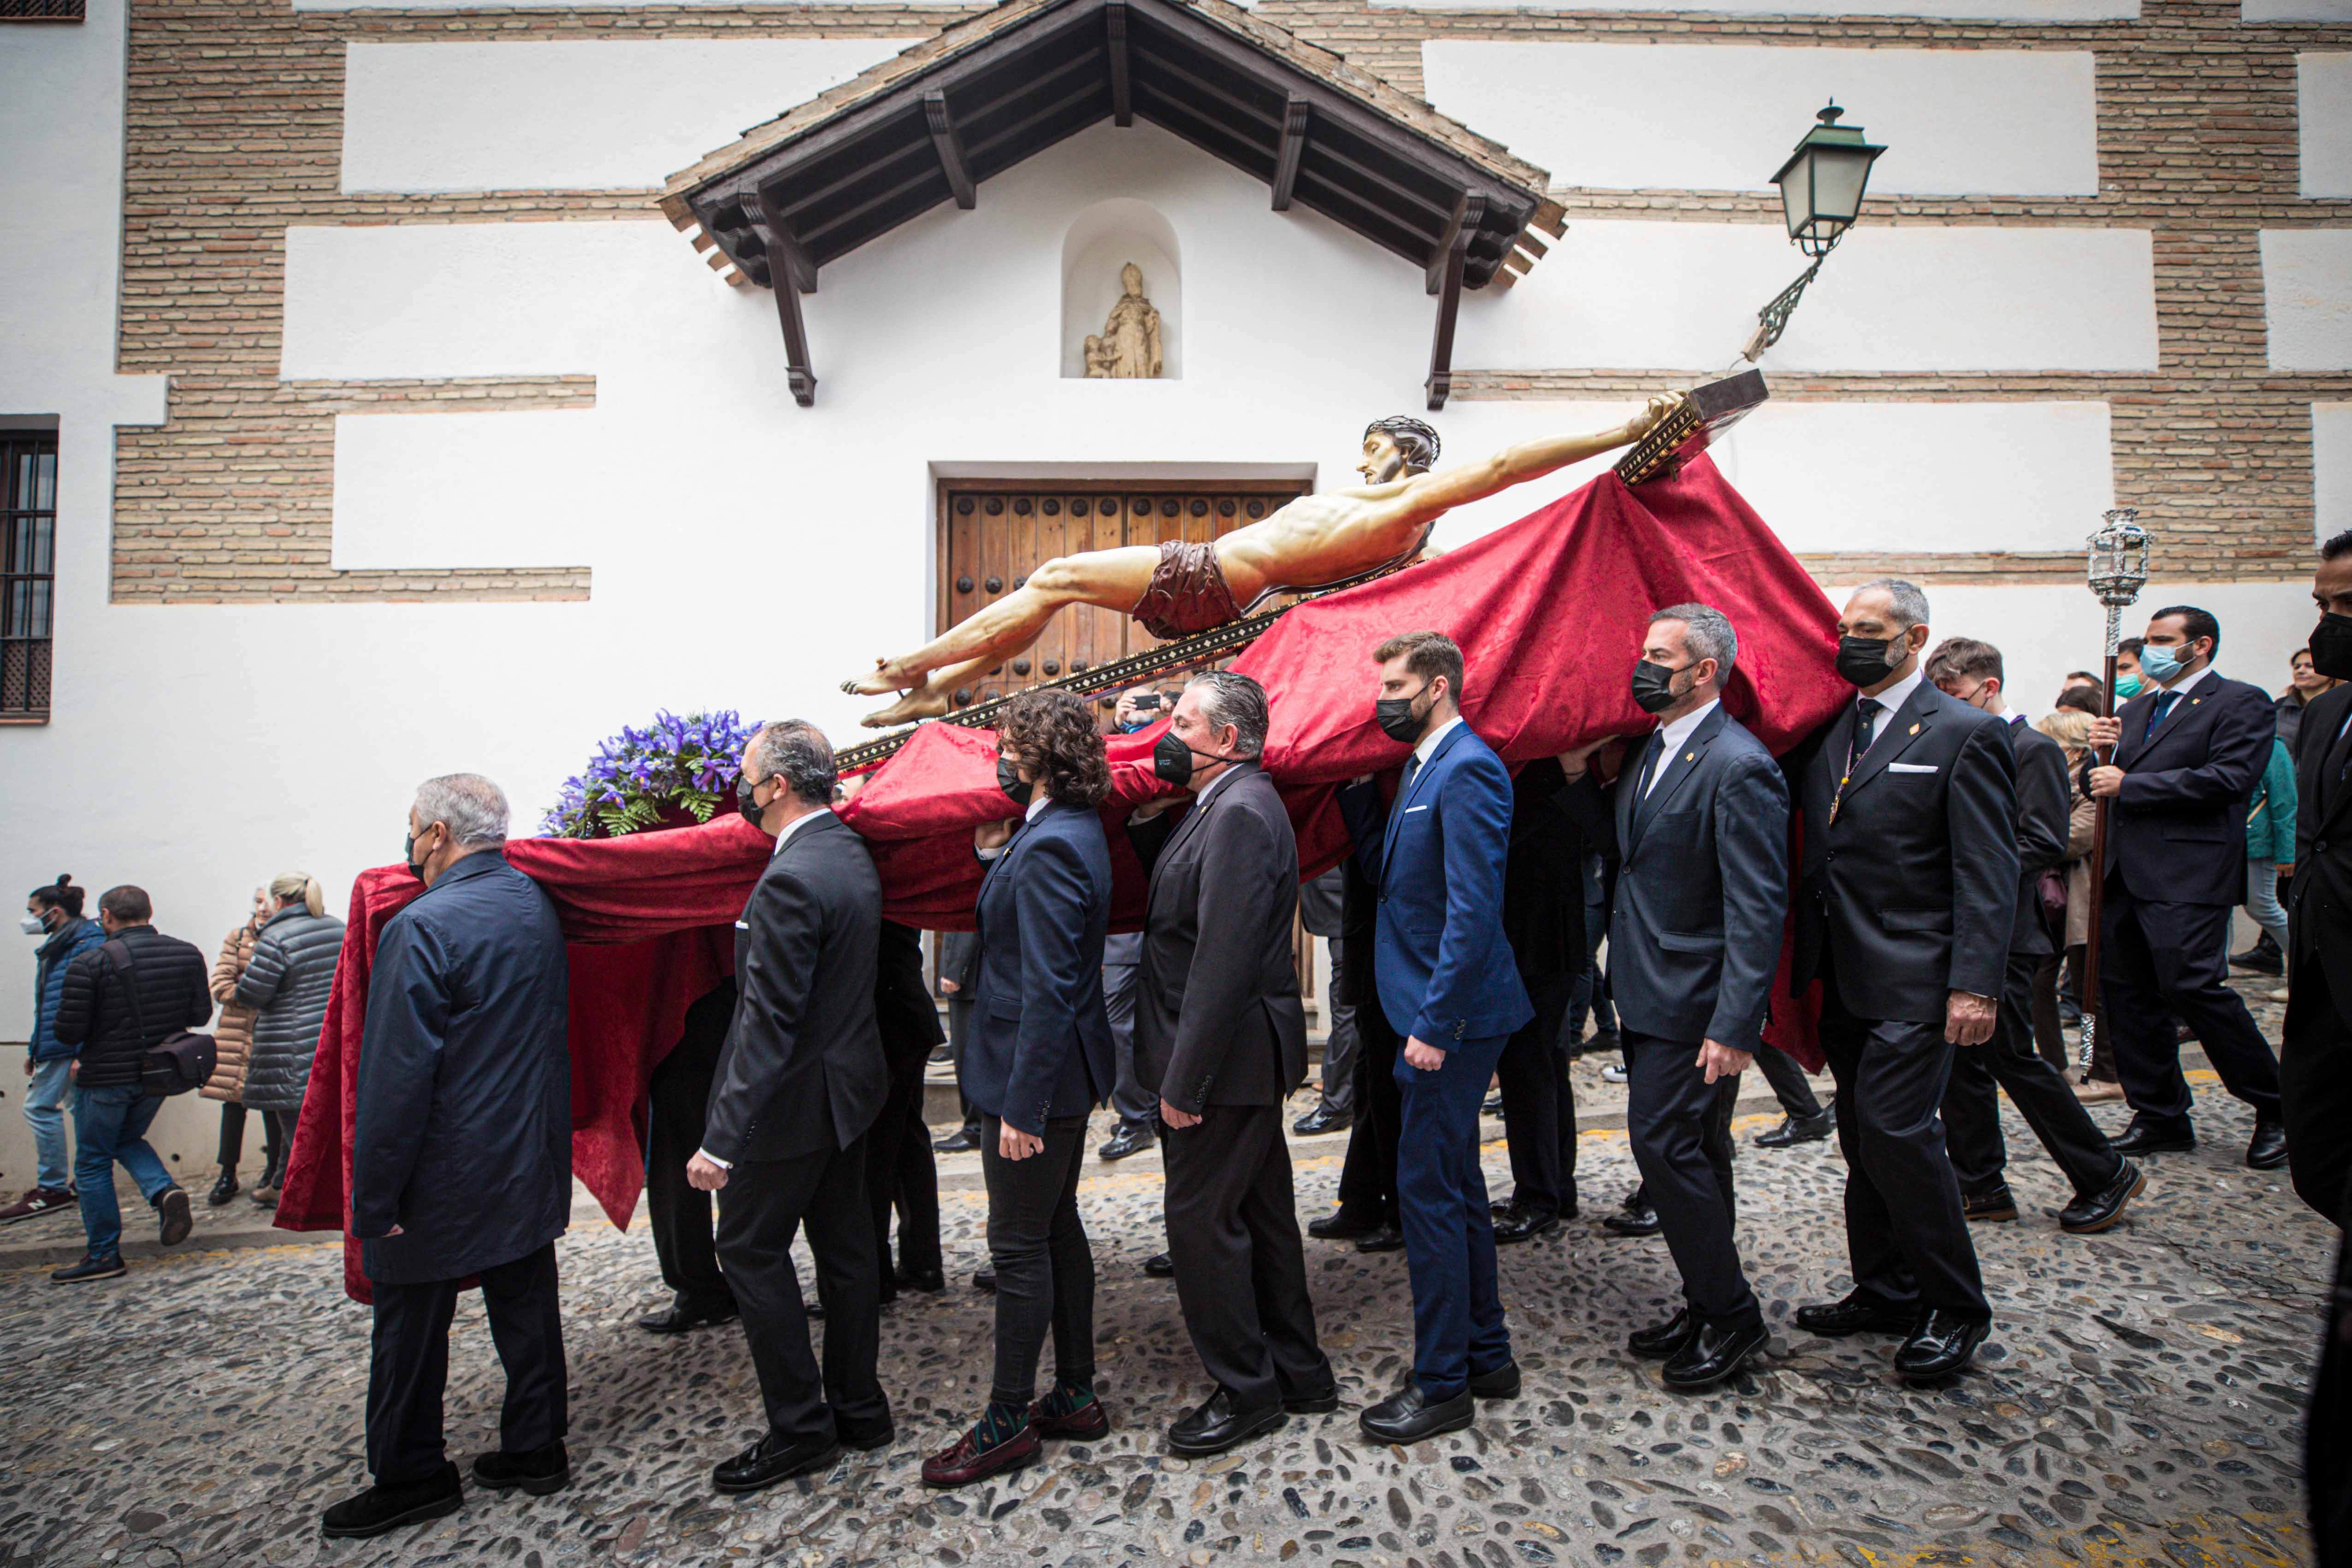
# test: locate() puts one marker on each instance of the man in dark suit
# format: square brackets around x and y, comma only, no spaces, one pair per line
[1971,672]
[2188,752]
[799,1085]
[678,1212]
[2316,1067]
[1543,918]
[1907,895]
[900,1171]
[1699,817]
[461,1159]
[1447,982]
[1322,910]
[1221,1038]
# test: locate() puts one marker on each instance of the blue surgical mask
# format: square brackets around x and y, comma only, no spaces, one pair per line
[2160,663]
[2129,685]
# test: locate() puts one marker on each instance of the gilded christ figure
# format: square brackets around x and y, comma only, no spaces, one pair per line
[1176,588]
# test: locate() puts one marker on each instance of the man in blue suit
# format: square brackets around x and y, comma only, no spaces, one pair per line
[1446,982]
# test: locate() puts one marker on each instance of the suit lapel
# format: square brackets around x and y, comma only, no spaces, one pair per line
[1411,792]
[2181,706]
[1675,768]
[1901,730]
[2334,787]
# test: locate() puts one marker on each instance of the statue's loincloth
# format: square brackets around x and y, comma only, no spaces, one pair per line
[1187,593]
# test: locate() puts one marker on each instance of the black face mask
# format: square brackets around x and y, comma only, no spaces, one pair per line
[1397,719]
[1653,686]
[408,853]
[1173,759]
[1866,661]
[751,813]
[1009,780]
[2331,647]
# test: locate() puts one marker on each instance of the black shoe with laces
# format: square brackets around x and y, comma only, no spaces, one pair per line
[224,1189]
[1131,1138]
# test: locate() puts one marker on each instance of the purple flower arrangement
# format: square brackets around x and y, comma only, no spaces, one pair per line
[675,767]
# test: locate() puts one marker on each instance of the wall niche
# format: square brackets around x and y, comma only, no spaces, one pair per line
[1101,244]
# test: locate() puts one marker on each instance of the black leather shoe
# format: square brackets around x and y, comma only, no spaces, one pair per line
[538,1472]
[1996,1205]
[1312,1402]
[1408,1415]
[1131,1138]
[1855,1314]
[1216,1426]
[865,1439]
[2263,958]
[1159,1266]
[224,1189]
[1503,1383]
[940,1055]
[2267,1151]
[1636,1219]
[676,1319]
[1523,1225]
[772,1460]
[2089,1215]
[1663,1339]
[984,1277]
[962,1140]
[1322,1119]
[1339,1226]
[1712,1354]
[1942,1344]
[1388,1239]
[383,1508]
[1493,1106]
[1602,1040]
[1795,1130]
[2146,1135]
[931,1282]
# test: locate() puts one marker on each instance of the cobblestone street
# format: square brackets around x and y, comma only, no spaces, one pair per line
[2139,1402]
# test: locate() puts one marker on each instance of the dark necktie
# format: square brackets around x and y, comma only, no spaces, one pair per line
[2164,701]
[1411,771]
[1650,756]
[1865,728]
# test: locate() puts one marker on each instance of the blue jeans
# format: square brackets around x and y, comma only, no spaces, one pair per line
[110,1124]
[45,1098]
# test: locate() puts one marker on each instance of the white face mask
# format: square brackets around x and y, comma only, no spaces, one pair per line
[31,926]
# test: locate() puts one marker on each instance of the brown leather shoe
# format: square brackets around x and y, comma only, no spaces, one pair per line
[964,1462]
[1089,1420]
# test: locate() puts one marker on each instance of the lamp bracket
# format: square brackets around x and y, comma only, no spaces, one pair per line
[1774,319]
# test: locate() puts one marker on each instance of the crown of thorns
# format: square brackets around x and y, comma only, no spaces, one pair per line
[1416,440]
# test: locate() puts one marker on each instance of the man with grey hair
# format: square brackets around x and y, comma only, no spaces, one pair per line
[464,1089]
[1903,909]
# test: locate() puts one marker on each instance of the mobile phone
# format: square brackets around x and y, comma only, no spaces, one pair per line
[1146,702]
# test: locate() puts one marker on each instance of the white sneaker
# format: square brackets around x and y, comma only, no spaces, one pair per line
[1614,1072]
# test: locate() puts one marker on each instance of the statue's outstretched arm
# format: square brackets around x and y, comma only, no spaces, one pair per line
[1433,494]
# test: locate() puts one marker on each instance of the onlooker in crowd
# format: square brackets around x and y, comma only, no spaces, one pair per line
[2304,685]
[2316,1070]
[900,1171]
[1139,708]
[461,1159]
[1038,1061]
[233,1052]
[2103,1181]
[2189,752]
[1699,816]
[958,959]
[798,1087]
[1320,900]
[1221,1038]
[2081,678]
[2083,699]
[2270,860]
[2130,680]
[1904,913]
[287,984]
[129,993]
[1543,918]
[53,912]
[2070,728]
[1445,977]
[676,1211]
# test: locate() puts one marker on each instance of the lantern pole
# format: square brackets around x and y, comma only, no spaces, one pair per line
[2119,569]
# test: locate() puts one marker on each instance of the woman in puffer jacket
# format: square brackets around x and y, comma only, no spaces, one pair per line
[232,1037]
[286,984]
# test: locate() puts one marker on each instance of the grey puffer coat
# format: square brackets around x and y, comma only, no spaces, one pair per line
[286,984]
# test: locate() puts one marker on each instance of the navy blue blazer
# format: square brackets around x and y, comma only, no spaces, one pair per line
[1039,1044]
[1441,963]
[2178,832]
[462,1130]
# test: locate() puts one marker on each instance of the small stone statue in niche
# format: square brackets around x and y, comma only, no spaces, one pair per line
[1128,348]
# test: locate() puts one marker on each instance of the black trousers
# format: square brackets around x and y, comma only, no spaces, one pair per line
[1045,1265]
[679,1215]
[2327,1426]
[408,1365]
[1789,1085]
[2040,1092]
[2316,1074]
[1341,1047]
[1680,1127]
[1906,1239]
[763,1206]
[1241,1275]
[276,1138]
[959,1022]
[1367,1177]
[1540,1105]
[901,1174]
[1137,1106]
[2159,959]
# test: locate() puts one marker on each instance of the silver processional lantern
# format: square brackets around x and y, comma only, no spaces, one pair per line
[2117,572]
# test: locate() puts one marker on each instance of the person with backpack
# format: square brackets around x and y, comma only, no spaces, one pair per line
[131,993]
[54,913]
[286,984]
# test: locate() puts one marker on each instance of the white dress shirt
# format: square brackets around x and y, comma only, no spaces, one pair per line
[1893,698]
[1428,743]
[794,825]
[1671,738]
[1037,803]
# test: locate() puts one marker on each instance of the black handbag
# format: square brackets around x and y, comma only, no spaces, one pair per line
[179,1062]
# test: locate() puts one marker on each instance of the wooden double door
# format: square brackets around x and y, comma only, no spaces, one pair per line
[994,534]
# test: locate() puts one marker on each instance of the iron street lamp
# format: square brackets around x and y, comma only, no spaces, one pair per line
[1822,186]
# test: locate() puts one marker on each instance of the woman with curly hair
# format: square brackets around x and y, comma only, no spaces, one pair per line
[1036,1060]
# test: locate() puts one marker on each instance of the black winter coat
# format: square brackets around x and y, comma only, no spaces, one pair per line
[287,984]
[96,1015]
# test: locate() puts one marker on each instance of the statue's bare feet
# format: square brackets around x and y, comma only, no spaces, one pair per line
[923,704]
[886,678]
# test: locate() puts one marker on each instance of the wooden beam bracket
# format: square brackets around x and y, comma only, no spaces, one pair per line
[1445,272]
[1469,212]
[1122,99]
[1292,147]
[787,264]
[950,148]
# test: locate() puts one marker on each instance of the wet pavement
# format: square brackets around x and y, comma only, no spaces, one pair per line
[2139,1402]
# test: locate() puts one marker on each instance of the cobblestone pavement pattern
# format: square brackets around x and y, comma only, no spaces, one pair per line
[2139,1402]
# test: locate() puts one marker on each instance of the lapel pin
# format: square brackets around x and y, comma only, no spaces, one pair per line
[1915,729]
[1690,756]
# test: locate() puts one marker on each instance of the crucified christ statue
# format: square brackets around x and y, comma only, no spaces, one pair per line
[1177,588]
